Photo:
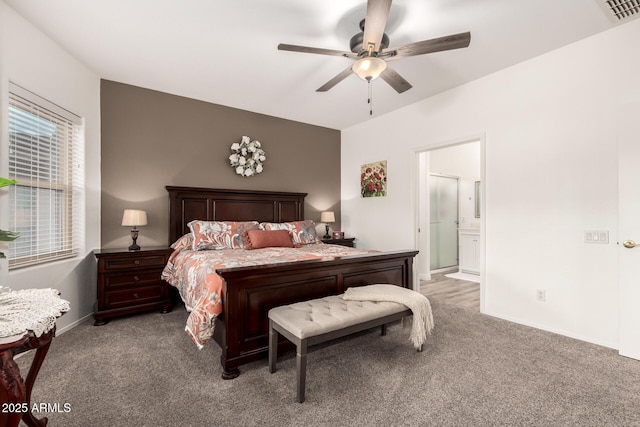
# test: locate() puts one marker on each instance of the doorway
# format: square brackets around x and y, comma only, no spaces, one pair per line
[462,159]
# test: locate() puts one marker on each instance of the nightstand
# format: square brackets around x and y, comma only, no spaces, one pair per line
[348,241]
[129,282]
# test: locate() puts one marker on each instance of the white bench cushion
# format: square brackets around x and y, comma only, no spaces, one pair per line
[322,315]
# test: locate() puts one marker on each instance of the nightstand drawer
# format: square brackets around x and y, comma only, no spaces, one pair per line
[133,279]
[127,297]
[134,262]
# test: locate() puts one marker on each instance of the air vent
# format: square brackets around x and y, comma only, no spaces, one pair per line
[621,10]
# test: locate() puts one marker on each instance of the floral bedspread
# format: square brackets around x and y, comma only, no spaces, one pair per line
[193,273]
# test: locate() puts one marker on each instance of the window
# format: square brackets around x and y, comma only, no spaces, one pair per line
[45,157]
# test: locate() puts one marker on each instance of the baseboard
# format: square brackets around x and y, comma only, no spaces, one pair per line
[552,330]
[464,276]
[72,325]
[445,270]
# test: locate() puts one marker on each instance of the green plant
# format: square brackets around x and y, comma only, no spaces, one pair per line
[7,236]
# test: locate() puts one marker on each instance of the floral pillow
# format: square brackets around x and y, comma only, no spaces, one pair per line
[219,234]
[183,242]
[304,232]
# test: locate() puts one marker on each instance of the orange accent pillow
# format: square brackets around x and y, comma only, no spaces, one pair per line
[256,239]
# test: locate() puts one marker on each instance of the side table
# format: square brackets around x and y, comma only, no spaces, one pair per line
[345,241]
[28,323]
[130,282]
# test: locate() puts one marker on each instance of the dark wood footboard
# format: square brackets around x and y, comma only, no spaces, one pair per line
[250,292]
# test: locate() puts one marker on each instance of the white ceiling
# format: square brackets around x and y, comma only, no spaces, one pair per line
[225,52]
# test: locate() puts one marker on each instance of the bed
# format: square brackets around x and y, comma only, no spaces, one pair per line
[248,292]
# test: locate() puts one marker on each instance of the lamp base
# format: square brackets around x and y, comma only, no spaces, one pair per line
[326,232]
[134,236]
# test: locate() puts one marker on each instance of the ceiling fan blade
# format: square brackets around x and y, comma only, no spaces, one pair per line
[334,81]
[320,51]
[395,80]
[374,23]
[455,41]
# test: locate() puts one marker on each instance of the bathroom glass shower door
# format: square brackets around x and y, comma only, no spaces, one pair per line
[443,220]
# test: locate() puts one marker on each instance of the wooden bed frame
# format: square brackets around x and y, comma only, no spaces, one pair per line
[250,292]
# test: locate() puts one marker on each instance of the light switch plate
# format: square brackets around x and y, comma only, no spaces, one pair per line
[596,236]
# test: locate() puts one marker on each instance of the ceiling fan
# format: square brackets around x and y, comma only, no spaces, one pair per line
[370,49]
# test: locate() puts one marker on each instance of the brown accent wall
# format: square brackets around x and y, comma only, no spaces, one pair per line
[152,139]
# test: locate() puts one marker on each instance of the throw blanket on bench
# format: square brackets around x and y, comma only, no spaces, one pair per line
[418,303]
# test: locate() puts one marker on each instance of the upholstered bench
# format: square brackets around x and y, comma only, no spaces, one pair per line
[319,320]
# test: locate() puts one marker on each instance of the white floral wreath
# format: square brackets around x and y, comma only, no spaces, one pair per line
[247,157]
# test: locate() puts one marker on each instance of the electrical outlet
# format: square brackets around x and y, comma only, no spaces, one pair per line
[541,295]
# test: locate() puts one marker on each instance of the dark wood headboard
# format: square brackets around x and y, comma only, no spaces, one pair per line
[211,204]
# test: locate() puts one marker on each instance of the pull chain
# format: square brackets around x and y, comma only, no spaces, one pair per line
[370,99]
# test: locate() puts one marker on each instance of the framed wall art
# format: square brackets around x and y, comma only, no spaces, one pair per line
[373,179]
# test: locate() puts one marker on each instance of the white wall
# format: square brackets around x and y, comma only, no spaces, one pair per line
[551,173]
[31,60]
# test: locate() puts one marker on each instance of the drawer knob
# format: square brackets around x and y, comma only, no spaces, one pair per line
[136,262]
[135,296]
[136,278]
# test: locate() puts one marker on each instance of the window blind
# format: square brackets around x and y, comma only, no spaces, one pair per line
[46,158]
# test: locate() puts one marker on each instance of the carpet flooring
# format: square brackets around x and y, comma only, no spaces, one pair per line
[475,370]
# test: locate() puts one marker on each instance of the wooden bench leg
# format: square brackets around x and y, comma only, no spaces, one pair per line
[383,329]
[301,369]
[273,347]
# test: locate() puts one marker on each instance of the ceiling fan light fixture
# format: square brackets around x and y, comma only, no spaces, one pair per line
[369,68]
[369,49]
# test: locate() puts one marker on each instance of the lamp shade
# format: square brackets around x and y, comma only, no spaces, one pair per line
[369,68]
[133,218]
[327,217]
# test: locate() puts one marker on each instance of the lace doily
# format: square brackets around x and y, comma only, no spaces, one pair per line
[30,310]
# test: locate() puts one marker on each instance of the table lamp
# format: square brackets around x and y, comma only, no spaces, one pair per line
[133,218]
[327,218]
